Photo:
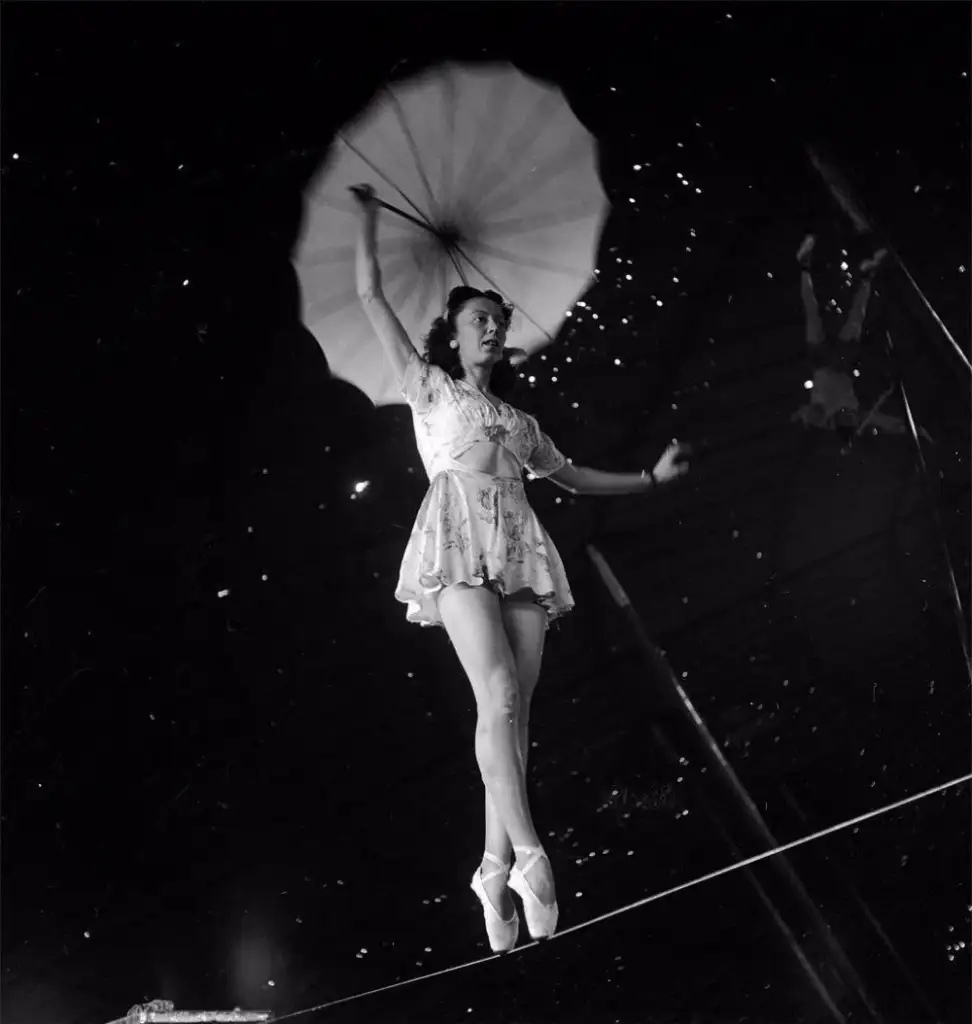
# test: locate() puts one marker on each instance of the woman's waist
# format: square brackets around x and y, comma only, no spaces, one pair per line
[451,467]
[482,458]
[457,469]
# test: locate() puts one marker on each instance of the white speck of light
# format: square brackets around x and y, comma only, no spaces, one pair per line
[637,167]
[185,283]
[264,577]
[961,269]
[917,188]
[16,156]
[627,277]
[617,362]
[222,593]
[844,266]
[769,273]
[678,174]
[658,302]
[363,486]
[271,983]
[698,191]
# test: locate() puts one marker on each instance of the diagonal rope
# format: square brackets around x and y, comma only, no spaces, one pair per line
[631,906]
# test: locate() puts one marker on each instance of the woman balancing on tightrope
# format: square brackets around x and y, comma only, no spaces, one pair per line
[478,561]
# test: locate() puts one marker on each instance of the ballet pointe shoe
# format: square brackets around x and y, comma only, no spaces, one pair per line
[502,934]
[541,919]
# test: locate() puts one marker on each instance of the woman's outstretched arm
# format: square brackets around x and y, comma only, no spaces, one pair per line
[585,480]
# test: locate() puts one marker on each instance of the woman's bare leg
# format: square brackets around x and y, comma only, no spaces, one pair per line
[472,618]
[526,626]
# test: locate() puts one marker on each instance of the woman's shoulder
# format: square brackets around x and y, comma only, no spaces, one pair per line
[528,421]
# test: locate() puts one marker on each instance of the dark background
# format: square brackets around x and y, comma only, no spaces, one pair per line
[226,800]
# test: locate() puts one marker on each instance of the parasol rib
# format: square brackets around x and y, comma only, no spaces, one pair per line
[455,262]
[528,261]
[407,216]
[541,176]
[497,288]
[357,152]
[517,152]
[400,116]
[551,218]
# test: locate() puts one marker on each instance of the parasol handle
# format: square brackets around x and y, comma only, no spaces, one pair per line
[445,237]
[366,194]
[407,216]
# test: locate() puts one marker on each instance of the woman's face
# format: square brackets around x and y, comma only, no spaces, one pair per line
[481,332]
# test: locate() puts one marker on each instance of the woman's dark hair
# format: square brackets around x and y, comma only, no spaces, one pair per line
[503,378]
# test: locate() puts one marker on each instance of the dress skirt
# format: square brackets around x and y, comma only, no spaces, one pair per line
[479,529]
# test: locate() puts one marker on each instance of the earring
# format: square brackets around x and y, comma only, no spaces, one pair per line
[453,344]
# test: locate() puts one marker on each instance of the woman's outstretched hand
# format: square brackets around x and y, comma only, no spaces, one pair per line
[673,463]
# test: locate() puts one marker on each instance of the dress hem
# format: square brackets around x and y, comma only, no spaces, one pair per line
[553,606]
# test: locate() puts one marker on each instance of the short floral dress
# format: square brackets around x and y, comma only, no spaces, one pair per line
[472,527]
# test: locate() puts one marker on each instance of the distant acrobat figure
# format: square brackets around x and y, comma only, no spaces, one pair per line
[834,404]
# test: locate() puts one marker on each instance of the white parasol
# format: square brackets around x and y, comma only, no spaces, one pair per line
[487,178]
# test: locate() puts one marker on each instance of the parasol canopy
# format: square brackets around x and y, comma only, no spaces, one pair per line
[487,178]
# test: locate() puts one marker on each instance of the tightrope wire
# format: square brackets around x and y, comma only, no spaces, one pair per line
[631,906]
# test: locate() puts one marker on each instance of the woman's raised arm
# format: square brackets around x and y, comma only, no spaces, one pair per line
[396,343]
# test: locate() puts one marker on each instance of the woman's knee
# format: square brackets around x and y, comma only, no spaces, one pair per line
[498,699]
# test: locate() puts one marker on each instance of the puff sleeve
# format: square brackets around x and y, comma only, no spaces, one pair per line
[545,458]
[421,383]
